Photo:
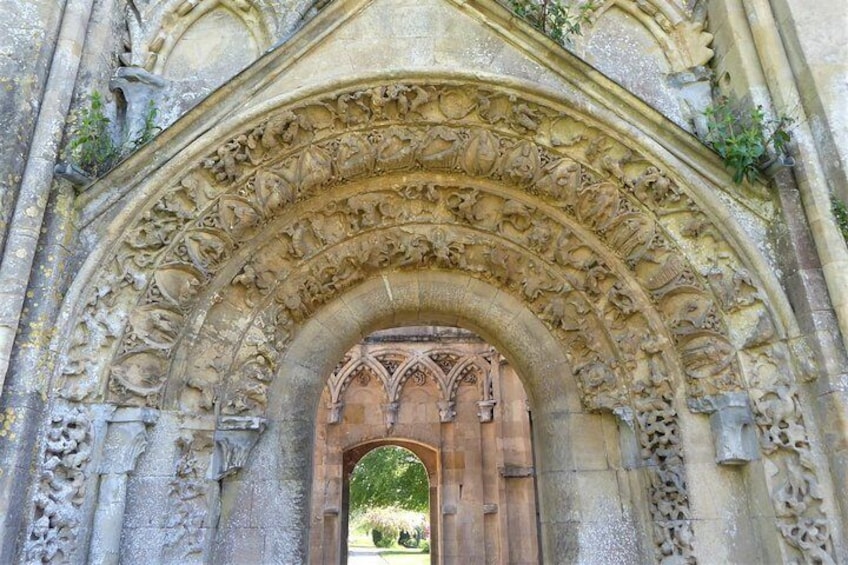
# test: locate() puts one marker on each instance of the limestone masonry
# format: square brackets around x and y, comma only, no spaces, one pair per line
[245,242]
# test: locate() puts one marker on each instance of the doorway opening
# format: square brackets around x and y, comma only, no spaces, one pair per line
[388,501]
[446,397]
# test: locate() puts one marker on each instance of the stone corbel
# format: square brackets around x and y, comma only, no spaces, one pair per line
[447,411]
[126,438]
[486,410]
[139,88]
[732,425]
[391,413]
[234,437]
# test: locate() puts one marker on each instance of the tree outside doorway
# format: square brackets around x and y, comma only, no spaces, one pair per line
[389,508]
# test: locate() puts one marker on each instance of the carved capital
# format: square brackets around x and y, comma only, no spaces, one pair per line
[126,438]
[234,437]
[447,411]
[732,424]
[486,410]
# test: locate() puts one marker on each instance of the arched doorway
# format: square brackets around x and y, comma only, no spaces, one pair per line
[598,264]
[455,402]
[421,522]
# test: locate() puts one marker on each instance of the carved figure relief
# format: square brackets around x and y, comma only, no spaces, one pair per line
[582,228]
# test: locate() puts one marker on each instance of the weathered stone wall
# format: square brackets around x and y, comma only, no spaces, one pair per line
[782,331]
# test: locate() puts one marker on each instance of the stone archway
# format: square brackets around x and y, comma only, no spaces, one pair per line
[611,281]
[429,458]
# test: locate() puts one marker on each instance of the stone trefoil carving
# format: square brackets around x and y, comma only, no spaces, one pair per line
[394,367]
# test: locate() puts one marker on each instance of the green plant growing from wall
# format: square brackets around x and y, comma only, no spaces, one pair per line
[92,147]
[149,129]
[840,213]
[559,21]
[743,140]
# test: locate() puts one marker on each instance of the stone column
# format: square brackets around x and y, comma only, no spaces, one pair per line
[126,438]
[234,437]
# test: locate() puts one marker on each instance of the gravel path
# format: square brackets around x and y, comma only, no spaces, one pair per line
[365,556]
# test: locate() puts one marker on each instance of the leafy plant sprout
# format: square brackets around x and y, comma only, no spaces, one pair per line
[92,147]
[559,21]
[745,141]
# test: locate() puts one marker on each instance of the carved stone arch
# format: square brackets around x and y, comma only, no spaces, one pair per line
[414,366]
[255,18]
[163,290]
[357,368]
[460,372]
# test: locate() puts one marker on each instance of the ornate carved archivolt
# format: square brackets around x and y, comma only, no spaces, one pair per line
[394,366]
[197,303]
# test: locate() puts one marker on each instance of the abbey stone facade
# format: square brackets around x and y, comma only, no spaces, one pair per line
[171,332]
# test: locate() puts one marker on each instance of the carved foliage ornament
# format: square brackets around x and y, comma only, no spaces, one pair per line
[282,146]
[612,235]
[60,490]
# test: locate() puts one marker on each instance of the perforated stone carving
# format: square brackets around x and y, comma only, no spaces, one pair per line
[795,489]
[187,516]
[61,489]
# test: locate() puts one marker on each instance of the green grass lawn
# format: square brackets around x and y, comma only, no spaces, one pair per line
[403,556]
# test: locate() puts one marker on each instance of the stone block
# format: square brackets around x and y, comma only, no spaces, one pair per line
[340,321]
[441,303]
[142,545]
[598,496]
[371,304]
[558,494]
[715,491]
[147,501]
[240,545]
[589,443]
[729,539]
[552,432]
[560,542]
[237,502]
